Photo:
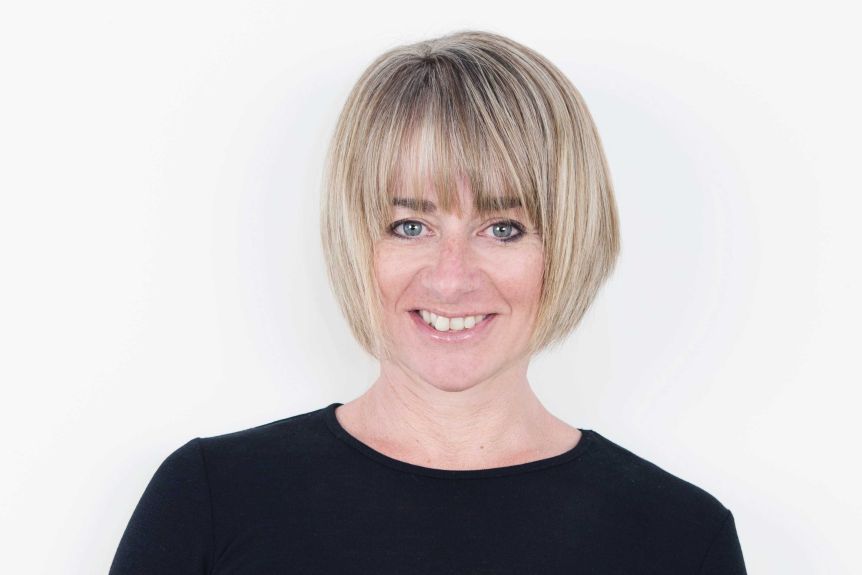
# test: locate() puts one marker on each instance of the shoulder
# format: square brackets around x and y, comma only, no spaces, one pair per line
[645,489]
[294,436]
[239,468]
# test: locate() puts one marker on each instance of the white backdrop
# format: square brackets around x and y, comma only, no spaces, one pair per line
[162,276]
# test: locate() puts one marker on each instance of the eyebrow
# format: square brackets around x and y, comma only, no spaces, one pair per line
[496,204]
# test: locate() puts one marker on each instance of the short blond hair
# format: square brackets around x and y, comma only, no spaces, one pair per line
[482,105]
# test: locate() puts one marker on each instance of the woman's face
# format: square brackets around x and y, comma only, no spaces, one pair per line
[450,270]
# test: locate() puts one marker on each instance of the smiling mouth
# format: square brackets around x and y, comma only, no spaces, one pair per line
[447,324]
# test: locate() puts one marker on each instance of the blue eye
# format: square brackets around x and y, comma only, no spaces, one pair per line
[505,231]
[411,228]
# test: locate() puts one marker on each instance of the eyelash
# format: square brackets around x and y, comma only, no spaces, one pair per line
[516,225]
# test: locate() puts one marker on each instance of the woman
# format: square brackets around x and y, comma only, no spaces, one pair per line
[468,221]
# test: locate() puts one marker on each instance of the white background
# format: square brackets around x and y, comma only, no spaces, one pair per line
[162,276]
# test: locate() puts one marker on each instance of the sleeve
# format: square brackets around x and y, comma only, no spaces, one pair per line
[724,556]
[170,530]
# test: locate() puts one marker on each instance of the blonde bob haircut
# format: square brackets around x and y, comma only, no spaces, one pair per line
[477,105]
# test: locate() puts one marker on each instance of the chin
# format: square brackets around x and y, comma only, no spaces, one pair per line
[460,377]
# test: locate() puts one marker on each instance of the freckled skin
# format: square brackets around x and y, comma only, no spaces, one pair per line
[458,263]
[465,404]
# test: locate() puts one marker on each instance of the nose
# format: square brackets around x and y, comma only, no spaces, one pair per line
[454,271]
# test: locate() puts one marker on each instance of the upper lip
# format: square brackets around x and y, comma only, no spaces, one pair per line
[451,314]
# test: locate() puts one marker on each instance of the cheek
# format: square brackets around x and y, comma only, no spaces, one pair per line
[392,272]
[523,277]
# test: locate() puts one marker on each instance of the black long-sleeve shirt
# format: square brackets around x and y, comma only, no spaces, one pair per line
[302,496]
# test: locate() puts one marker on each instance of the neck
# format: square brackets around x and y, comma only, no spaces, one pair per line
[493,423]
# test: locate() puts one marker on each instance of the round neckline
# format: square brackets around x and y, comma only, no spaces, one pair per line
[341,433]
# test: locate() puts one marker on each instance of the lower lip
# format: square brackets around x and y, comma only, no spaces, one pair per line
[453,336]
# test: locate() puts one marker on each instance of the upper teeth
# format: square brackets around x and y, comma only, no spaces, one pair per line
[442,323]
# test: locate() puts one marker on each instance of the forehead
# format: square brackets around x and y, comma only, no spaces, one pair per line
[428,205]
[456,194]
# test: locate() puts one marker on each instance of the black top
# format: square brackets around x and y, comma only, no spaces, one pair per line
[301,495]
